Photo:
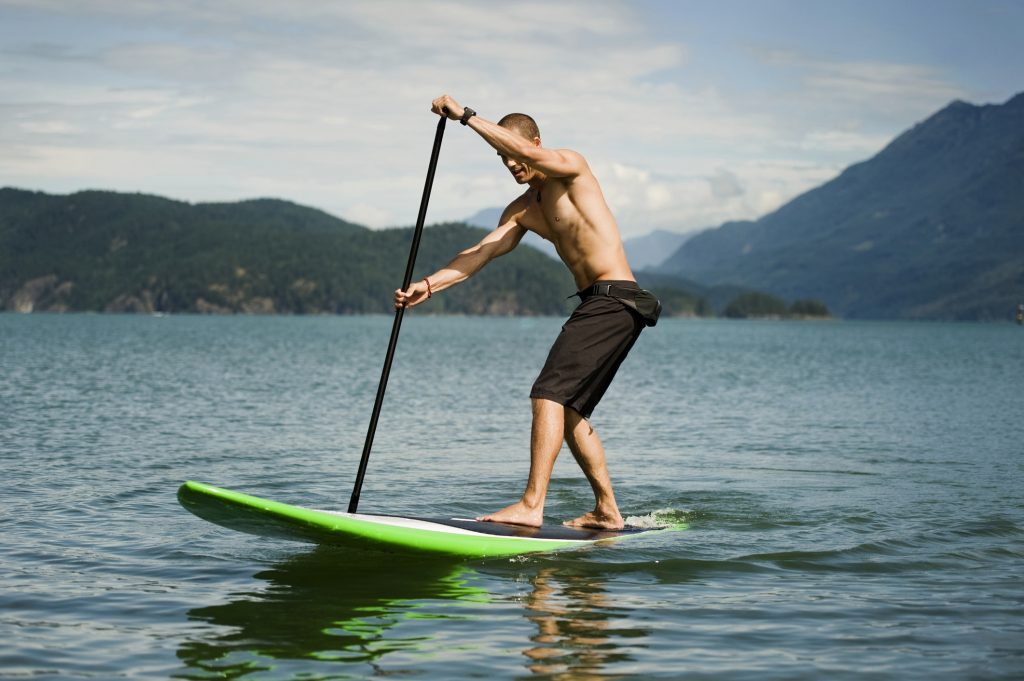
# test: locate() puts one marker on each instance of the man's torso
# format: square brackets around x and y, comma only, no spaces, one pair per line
[572,214]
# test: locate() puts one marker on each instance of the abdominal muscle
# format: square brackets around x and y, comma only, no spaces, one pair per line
[592,259]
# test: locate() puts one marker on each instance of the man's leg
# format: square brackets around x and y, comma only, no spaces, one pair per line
[545,442]
[589,453]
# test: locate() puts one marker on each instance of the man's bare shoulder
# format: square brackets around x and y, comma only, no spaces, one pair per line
[574,155]
[517,207]
[577,161]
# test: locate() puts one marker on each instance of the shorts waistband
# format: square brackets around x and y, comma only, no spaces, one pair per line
[604,287]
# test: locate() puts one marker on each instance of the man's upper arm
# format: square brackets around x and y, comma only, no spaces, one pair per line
[556,162]
[508,233]
[505,236]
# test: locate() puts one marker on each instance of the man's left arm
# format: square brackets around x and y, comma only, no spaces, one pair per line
[552,162]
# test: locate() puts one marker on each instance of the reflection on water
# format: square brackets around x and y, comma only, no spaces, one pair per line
[325,606]
[574,637]
[329,612]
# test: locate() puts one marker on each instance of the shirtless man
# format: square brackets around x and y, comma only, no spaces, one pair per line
[563,204]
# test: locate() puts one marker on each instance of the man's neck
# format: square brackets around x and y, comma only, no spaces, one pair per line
[537,184]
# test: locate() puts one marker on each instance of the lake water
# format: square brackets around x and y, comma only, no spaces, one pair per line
[854,494]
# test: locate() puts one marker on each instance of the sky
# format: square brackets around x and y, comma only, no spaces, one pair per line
[690,113]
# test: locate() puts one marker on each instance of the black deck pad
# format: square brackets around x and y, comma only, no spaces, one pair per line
[543,532]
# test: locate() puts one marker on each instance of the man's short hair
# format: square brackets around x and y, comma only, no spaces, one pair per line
[521,123]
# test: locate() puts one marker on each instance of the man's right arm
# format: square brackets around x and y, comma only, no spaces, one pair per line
[468,262]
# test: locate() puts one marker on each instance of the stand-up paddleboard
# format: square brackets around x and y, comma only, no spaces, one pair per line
[448,536]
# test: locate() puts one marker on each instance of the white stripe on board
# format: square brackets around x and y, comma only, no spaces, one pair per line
[416,524]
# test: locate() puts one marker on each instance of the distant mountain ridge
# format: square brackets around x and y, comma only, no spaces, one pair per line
[108,251]
[652,249]
[929,228]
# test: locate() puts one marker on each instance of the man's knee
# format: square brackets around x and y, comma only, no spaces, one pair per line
[575,420]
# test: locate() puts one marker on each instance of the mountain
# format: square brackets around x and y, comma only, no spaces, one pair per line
[487,218]
[651,250]
[929,228]
[106,251]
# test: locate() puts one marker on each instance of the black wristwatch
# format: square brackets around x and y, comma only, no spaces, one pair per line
[467,113]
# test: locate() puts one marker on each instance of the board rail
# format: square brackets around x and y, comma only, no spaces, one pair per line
[448,536]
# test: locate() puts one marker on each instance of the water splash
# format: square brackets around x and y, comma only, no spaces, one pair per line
[664,517]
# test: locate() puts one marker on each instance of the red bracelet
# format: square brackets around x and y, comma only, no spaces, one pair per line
[429,292]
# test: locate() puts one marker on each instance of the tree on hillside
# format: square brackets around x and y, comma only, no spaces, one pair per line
[809,307]
[756,305]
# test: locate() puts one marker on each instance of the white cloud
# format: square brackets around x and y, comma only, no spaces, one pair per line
[843,141]
[861,81]
[870,85]
[326,103]
[48,127]
[705,195]
[725,185]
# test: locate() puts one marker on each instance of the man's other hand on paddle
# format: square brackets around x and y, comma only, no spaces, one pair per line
[414,295]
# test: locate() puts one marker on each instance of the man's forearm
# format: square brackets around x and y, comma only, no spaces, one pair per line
[503,140]
[462,267]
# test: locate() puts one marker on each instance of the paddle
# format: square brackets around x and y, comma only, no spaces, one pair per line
[399,313]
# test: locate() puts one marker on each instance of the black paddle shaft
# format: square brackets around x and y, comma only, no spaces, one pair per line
[353,503]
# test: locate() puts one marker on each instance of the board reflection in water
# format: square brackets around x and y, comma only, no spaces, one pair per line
[327,606]
[377,614]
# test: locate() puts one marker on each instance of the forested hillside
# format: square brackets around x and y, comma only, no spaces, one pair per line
[105,251]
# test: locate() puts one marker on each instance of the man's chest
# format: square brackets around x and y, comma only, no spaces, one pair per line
[550,213]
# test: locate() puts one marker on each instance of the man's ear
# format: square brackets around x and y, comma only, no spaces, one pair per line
[536,141]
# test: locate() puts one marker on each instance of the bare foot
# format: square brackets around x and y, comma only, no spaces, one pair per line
[601,521]
[517,514]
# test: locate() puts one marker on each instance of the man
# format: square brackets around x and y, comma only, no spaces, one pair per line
[563,204]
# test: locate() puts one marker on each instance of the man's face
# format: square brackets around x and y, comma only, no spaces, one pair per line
[520,171]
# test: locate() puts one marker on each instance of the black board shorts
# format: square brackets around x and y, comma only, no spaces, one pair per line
[589,350]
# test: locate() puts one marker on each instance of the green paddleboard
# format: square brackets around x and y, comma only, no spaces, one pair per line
[448,536]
